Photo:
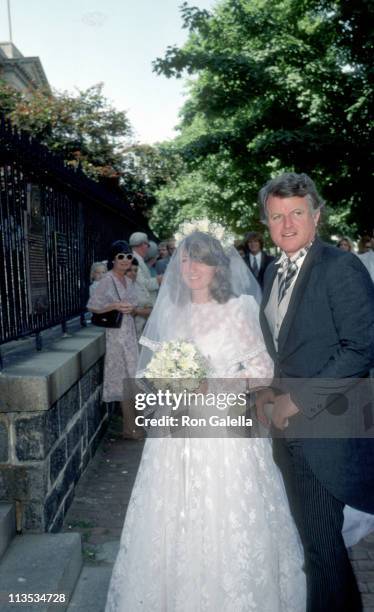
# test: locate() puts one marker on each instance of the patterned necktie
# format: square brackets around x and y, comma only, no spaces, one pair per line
[255,266]
[287,273]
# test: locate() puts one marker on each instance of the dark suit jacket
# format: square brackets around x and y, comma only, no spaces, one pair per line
[161,265]
[265,261]
[325,352]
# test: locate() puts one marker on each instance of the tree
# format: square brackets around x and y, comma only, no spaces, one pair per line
[147,169]
[83,128]
[279,85]
[213,188]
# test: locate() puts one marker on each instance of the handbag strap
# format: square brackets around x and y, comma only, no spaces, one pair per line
[116,288]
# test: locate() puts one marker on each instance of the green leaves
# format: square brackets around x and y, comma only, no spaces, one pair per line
[84,128]
[278,85]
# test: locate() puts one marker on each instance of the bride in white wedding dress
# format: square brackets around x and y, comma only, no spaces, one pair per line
[208,527]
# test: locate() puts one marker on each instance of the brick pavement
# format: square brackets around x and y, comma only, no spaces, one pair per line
[103,493]
[362,556]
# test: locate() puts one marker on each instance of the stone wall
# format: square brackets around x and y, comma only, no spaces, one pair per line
[51,421]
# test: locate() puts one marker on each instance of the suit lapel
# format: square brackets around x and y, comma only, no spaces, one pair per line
[271,274]
[262,264]
[268,337]
[298,291]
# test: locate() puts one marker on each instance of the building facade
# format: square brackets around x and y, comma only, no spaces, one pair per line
[23,73]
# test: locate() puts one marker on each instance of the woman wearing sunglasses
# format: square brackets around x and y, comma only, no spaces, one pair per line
[115,291]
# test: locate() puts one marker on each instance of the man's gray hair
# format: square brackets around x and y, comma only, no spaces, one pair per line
[288,185]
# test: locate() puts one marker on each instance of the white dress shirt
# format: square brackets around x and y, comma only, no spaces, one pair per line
[275,313]
[256,257]
[145,278]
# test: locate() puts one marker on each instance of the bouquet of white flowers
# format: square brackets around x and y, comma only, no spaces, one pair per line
[177,365]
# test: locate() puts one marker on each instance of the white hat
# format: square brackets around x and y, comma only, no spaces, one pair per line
[138,238]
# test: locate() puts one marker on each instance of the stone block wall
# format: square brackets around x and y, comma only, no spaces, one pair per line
[51,421]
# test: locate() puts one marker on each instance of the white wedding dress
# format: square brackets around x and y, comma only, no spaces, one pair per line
[208,527]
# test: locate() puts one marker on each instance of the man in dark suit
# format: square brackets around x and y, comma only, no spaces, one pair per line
[256,258]
[317,318]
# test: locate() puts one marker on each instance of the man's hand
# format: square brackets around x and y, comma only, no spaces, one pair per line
[263,397]
[283,409]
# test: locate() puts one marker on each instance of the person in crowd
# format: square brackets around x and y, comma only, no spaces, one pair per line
[143,299]
[151,258]
[116,292]
[140,244]
[345,244]
[317,317]
[365,244]
[163,252]
[163,258]
[257,259]
[171,247]
[367,259]
[241,250]
[98,269]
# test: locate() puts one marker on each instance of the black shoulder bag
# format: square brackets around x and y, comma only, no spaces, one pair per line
[113,318]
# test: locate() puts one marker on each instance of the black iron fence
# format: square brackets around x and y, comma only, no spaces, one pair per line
[54,223]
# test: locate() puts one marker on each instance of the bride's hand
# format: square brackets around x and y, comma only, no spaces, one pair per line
[203,387]
[263,397]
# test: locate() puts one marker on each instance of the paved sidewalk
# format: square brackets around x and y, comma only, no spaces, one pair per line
[103,493]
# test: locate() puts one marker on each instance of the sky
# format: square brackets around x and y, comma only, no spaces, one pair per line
[83,42]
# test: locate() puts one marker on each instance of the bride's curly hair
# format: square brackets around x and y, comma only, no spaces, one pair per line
[206,249]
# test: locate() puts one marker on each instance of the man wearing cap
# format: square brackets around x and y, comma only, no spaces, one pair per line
[140,244]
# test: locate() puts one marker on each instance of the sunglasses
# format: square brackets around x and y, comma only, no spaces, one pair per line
[121,256]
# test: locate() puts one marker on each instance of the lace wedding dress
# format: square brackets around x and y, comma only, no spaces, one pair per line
[208,527]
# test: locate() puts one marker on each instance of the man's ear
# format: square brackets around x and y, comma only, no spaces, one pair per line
[316,217]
